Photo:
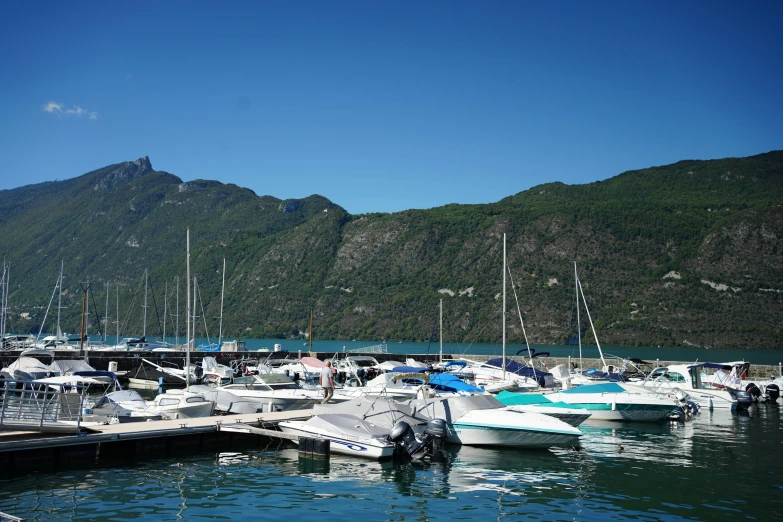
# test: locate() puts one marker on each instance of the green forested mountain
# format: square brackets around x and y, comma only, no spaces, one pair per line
[689,253]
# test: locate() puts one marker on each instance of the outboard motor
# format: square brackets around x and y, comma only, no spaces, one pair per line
[772,392]
[754,391]
[744,399]
[402,435]
[435,436]
[360,373]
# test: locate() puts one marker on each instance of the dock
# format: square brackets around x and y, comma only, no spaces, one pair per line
[24,451]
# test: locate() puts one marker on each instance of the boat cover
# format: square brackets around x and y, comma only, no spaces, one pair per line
[520,399]
[120,396]
[348,425]
[520,369]
[408,369]
[453,408]
[70,366]
[381,412]
[446,382]
[228,402]
[607,387]
[599,375]
[313,362]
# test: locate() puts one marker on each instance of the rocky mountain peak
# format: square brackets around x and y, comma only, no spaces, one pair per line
[124,173]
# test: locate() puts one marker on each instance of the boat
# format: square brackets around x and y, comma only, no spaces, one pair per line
[215,372]
[124,406]
[539,403]
[482,420]
[181,404]
[348,434]
[277,391]
[695,380]
[619,402]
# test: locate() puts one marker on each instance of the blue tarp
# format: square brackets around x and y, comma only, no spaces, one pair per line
[447,382]
[598,375]
[606,387]
[520,369]
[409,369]
[515,399]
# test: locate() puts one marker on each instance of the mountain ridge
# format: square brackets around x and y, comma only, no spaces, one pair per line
[717,224]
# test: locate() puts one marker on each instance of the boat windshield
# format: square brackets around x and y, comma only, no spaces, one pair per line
[277,381]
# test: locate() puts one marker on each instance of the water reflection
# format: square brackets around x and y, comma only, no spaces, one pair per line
[719,464]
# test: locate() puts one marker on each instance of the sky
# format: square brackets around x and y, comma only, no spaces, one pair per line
[383,106]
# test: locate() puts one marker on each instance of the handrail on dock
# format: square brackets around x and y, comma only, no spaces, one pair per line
[376,348]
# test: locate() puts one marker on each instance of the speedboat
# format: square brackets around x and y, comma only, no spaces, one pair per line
[125,406]
[694,379]
[539,403]
[482,420]
[618,401]
[348,434]
[181,404]
[277,391]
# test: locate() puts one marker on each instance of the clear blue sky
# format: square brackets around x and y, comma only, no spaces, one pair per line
[385,106]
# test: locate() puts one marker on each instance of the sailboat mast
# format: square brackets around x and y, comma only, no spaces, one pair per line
[60,299]
[176,342]
[600,352]
[106,315]
[118,316]
[84,305]
[187,285]
[2,303]
[504,306]
[441,330]
[144,330]
[187,350]
[578,322]
[310,335]
[165,308]
[222,294]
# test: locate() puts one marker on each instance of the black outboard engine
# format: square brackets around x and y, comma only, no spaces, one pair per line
[772,392]
[360,373]
[743,398]
[754,391]
[435,436]
[402,435]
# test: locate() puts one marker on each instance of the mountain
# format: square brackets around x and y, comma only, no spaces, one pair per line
[683,254]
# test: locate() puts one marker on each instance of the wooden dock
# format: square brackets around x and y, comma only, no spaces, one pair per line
[25,451]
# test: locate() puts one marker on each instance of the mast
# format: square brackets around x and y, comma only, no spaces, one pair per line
[310,336]
[176,342]
[187,285]
[504,306]
[144,329]
[187,350]
[84,306]
[578,323]
[58,333]
[441,330]
[165,303]
[2,303]
[106,315]
[600,352]
[222,293]
[118,316]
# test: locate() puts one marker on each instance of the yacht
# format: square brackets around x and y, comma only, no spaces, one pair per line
[348,434]
[697,381]
[277,391]
[619,401]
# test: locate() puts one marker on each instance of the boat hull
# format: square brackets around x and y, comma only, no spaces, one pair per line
[502,427]
[367,448]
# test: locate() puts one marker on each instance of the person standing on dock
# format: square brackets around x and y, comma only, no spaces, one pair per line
[327,382]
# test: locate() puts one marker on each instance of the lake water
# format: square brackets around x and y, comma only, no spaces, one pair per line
[721,466]
[754,356]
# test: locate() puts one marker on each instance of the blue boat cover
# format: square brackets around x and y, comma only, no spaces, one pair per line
[447,382]
[95,373]
[409,369]
[461,364]
[209,348]
[520,369]
[606,387]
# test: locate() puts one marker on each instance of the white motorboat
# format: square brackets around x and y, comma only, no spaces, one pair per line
[696,381]
[482,420]
[539,403]
[215,372]
[619,402]
[348,434]
[277,391]
[125,406]
[181,404]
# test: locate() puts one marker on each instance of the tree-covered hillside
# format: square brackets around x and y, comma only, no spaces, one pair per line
[688,253]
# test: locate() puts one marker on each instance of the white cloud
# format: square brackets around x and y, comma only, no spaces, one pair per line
[59,109]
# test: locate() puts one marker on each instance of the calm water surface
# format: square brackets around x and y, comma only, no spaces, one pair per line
[718,467]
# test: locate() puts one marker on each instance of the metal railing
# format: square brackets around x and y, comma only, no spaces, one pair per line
[33,405]
[376,348]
